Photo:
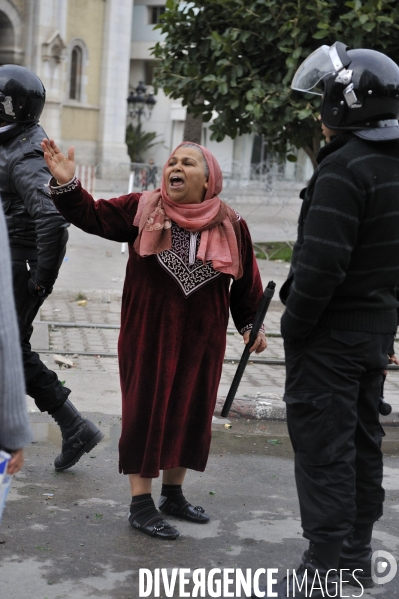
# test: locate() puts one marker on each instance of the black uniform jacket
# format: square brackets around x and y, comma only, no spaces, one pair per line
[36,229]
[345,264]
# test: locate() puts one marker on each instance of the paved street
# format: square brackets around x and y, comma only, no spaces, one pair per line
[66,535]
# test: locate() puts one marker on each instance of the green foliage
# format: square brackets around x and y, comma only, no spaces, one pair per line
[239,57]
[139,142]
[274,250]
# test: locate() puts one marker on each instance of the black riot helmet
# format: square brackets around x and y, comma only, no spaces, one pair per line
[360,90]
[22,95]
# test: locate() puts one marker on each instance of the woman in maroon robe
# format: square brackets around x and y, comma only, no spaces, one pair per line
[190,260]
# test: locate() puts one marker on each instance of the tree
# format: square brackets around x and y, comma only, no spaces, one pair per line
[239,57]
[192,128]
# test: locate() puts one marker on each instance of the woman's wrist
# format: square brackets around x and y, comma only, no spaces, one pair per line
[62,183]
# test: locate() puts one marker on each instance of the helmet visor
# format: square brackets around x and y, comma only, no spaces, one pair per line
[310,75]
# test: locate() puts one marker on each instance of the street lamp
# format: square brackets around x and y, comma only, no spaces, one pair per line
[140,104]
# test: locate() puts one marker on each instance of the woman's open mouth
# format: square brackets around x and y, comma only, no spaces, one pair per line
[176,182]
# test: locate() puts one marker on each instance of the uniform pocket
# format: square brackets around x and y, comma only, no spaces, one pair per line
[350,338]
[46,203]
[311,425]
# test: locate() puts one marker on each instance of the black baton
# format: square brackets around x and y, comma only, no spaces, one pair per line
[258,321]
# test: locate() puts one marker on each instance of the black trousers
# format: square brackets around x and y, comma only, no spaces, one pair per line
[41,383]
[332,393]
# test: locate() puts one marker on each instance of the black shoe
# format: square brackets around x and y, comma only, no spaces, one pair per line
[356,554]
[79,436]
[318,564]
[301,587]
[186,512]
[159,529]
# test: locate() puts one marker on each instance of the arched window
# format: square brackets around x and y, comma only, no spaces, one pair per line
[75,77]
[7,39]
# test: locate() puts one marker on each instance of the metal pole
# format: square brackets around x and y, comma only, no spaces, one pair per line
[138,133]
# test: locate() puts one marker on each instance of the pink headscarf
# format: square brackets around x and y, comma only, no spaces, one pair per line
[220,233]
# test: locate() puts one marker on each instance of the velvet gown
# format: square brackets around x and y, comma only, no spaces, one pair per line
[172,341]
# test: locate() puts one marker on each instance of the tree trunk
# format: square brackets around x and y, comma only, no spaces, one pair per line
[311,155]
[193,129]
[314,150]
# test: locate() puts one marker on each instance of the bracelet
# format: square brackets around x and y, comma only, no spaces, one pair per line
[67,183]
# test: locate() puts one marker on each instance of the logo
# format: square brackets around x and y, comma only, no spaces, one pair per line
[383,567]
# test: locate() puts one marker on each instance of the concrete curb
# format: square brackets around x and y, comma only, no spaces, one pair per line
[259,406]
[270,406]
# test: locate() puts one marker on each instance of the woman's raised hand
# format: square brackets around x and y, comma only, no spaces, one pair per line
[61,167]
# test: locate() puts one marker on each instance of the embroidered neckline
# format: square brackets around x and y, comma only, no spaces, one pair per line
[181,262]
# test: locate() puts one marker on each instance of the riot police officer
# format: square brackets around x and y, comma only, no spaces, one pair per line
[38,236]
[341,312]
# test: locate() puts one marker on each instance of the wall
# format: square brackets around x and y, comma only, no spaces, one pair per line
[80,120]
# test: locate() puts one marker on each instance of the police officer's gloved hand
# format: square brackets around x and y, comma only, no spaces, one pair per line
[37,290]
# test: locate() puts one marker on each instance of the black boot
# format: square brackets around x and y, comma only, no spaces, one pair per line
[356,554]
[79,436]
[316,577]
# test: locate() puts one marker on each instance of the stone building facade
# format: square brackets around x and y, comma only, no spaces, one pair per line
[80,49]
